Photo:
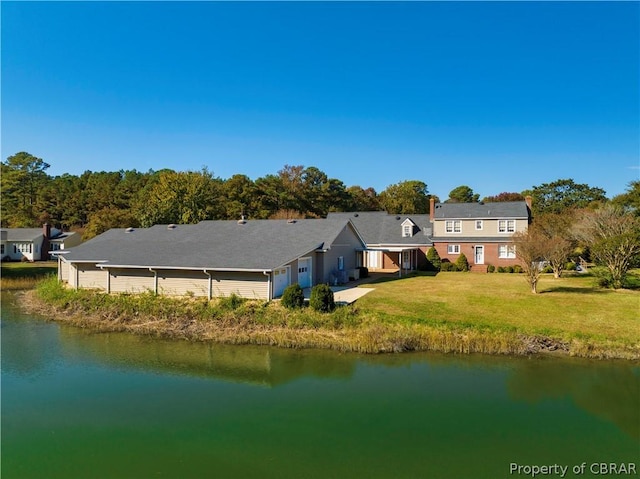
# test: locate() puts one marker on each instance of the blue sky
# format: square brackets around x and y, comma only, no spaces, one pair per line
[498,96]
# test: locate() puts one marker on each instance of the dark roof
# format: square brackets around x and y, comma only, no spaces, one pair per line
[507,209]
[27,234]
[381,228]
[255,245]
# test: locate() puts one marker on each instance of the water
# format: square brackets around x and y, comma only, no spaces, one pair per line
[76,404]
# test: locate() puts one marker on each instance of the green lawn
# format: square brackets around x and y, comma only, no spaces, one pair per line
[16,276]
[566,308]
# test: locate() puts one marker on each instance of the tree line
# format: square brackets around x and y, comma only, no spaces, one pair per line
[94,202]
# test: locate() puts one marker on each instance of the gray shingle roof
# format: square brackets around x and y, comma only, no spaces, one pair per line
[255,245]
[508,209]
[381,228]
[27,234]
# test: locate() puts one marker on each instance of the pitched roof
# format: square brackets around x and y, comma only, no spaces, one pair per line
[507,209]
[255,245]
[381,228]
[27,234]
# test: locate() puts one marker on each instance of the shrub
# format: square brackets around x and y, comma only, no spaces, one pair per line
[322,298]
[231,302]
[433,260]
[547,269]
[447,265]
[292,297]
[508,269]
[491,268]
[517,269]
[364,272]
[462,264]
[570,266]
[501,269]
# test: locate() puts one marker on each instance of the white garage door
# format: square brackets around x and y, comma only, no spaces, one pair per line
[304,272]
[280,281]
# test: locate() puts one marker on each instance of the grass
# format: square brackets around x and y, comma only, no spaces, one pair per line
[571,309]
[450,312]
[24,275]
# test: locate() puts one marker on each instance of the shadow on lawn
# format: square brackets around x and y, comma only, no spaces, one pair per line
[566,289]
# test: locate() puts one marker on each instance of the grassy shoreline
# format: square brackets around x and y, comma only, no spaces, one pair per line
[391,319]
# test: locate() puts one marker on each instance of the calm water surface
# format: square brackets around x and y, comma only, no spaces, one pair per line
[77,404]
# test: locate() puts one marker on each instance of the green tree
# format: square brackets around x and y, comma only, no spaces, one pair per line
[630,200]
[180,197]
[613,236]
[23,175]
[503,197]
[108,218]
[433,259]
[462,194]
[363,199]
[240,197]
[462,263]
[406,197]
[562,195]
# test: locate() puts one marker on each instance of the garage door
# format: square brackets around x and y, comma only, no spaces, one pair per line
[280,281]
[304,272]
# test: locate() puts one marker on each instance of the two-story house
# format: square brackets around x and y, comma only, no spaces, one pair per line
[34,244]
[482,231]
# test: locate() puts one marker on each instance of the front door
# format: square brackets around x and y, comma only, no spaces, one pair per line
[479,254]
[304,272]
[373,261]
[406,260]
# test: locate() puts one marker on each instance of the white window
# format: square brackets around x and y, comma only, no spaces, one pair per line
[506,226]
[55,246]
[341,263]
[453,249]
[453,226]
[478,225]
[507,251]
[22,248]
[406,231]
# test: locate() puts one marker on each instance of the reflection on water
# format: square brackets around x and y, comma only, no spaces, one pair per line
[278,413]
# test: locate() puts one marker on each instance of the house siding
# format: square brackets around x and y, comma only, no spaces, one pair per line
[63,270]
[489,227]
[344,245]
[87,276]
[181,283]
[246,285]
[131,280]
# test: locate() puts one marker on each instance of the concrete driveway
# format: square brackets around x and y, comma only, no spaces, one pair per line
[343,294]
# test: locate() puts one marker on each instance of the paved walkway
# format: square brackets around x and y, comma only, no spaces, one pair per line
[349,293]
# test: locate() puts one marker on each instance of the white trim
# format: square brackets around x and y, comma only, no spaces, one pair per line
[454,223]
[507,251]
[506,226]
[452,247]
[310,272]
[475,254]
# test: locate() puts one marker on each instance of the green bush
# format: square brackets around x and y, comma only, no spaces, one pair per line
[292,297]
[517,269]
[547,269]
[501,269]
[508,269]
[570,266]
[231,302]
[462,264]
[322,298]
[433,260]
[491,268]
[447,265]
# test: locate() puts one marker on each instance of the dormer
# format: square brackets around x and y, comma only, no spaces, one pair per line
[408,227]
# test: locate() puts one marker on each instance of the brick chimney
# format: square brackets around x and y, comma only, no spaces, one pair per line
[528,200]
[432,208]
[46,233]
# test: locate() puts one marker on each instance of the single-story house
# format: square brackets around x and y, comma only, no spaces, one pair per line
[392,242]
[482,231]
[254,259]
[34,244]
